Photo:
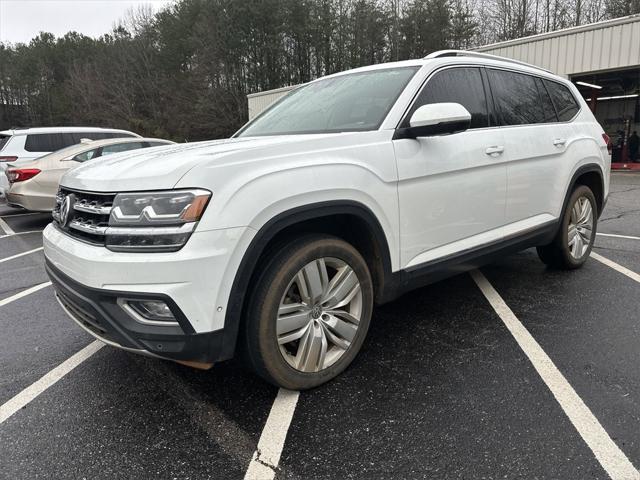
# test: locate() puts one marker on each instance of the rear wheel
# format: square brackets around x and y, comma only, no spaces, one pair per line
[309,312]
[573,242]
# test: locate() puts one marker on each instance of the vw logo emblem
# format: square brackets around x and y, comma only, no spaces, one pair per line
[316,312]
[65,210]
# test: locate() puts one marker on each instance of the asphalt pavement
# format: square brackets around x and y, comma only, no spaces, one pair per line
[446,386]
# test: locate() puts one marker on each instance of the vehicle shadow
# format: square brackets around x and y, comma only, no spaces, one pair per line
[20,222]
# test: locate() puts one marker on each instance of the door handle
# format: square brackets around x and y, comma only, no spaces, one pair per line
[559,142]
[495,150]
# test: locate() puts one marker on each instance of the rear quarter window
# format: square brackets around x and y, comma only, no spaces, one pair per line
[83,157]
[566,104]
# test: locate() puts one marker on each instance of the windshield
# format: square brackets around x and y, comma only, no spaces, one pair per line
[346,103]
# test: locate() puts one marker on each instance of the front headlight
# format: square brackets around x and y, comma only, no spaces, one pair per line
[155,221]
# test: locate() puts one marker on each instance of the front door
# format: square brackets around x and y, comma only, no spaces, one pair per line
[451,188]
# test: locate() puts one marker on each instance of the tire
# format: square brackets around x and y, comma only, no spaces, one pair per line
[563,252]
[286,331]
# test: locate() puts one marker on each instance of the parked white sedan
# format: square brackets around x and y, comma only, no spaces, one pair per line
[34,185]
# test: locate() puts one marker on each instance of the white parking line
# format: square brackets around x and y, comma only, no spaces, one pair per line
[23,293]
[630,237]
[21,233]
[35,389]
[7,229]
[24,214]
[610,263]
[612,459]
[267,455]
[6,259]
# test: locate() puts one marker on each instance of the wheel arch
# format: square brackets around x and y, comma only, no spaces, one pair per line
[346,219]
[592,176]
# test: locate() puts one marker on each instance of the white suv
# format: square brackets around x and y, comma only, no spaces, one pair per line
[346,193]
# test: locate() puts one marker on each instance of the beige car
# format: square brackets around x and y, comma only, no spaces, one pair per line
[34,185]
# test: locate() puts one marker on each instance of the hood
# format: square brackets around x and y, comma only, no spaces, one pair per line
[160,167]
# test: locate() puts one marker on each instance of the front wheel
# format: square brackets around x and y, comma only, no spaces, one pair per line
[309,312]
[573,242]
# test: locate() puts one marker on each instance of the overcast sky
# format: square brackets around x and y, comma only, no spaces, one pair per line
[21,20]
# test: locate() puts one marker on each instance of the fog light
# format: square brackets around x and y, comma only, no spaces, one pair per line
[155,310]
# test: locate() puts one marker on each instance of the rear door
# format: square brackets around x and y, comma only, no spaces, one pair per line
[536,147]
[452,188]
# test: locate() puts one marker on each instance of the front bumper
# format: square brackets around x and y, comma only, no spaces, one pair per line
[97,311]
[195,282]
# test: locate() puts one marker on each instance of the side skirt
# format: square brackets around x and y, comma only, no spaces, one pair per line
[424,274]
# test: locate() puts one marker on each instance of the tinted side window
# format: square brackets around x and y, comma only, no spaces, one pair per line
[517,97]
[99,135]
[43,142]
[120,147]
[563,99]
[68,139]
[90,135]
[458,85]
[547,105]
[158,144]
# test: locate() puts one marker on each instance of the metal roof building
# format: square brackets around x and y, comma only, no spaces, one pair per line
[611,44]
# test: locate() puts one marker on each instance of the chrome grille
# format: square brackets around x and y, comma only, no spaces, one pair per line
[87,217]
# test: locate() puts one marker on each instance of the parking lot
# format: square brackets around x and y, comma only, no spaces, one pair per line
[451,383]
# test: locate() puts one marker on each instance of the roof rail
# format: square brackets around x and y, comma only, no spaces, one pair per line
[465,53]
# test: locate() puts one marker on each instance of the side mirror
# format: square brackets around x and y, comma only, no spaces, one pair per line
[436,119]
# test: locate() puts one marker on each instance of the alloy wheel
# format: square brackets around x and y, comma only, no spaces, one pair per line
[319,314]
[580,229]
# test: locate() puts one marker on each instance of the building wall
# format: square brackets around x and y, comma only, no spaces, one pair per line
[589,48]
[261,100]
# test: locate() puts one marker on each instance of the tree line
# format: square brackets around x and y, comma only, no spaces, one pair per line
[183,73]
